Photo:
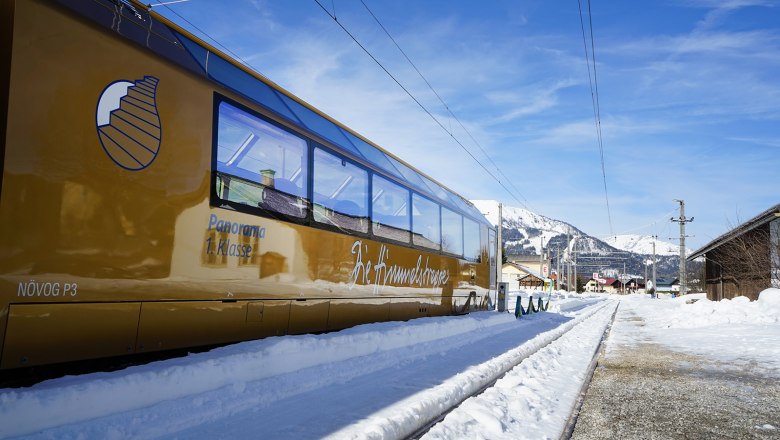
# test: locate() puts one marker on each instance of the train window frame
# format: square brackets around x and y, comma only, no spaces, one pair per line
[418,237]
[306,193]
[272,201]
[469,242]
[339,212]
[451,232]
[384,230]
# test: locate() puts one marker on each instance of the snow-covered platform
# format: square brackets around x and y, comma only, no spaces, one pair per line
[384,380]
[684,369]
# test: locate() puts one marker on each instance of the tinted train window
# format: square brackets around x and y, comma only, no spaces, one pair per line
[451,232]
[390,210]
[471,239]
[340,192]
[260,164]
[425,222]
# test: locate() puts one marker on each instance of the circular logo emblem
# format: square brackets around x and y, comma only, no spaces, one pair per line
[128,124]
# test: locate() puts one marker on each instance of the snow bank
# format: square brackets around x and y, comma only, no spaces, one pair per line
[704,313]
[736,331]
[769,301]
[73,399]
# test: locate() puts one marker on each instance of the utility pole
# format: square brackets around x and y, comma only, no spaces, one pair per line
[500,250]
[682,220]
[575,264]
[541,253]
[541,259]
[558,266]
[623,278]
[655,288]
[568,262]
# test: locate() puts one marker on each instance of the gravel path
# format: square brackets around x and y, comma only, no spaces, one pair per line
[645,391]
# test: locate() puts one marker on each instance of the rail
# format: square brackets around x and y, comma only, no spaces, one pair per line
[555,335]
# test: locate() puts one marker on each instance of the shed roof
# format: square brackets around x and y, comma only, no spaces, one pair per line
[759,220]
[525,269]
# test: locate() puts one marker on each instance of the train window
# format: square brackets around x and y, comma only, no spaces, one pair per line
[425,222]
[259,164]
[390,210]
[471,242]
[340,192]
[451,232]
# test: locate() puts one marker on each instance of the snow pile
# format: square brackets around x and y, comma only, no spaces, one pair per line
[738,332]
[535,398]
[704,312]
[404,417]
[769,301]
[221,368]
[382,380]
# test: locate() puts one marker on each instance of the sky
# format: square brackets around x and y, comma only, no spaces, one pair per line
[688,93]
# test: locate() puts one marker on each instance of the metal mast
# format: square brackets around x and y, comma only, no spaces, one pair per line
[500,248]
[655,288]
[682,220]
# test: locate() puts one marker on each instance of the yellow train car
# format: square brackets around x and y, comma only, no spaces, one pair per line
[156,194]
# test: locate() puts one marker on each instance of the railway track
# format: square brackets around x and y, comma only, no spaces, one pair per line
[391,381]
[604,312]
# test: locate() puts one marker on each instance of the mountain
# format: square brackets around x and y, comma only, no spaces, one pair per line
[525,232]
[642,244]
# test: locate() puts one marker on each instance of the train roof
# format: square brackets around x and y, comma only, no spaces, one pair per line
[150,29]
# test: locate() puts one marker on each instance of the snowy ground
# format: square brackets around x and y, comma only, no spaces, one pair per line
[384,380]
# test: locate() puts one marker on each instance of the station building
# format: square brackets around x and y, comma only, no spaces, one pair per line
[743,261]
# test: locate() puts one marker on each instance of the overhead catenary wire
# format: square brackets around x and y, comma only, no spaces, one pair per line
[334,17]
[444,104]
[593,80]
[425,109]
[662,220]
[204,33]
[516,195]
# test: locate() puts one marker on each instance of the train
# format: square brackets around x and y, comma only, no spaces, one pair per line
[157,194]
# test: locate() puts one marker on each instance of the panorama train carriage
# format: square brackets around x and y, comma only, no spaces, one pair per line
[156,194]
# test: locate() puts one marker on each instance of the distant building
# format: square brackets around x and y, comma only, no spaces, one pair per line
[634,285]
[665,285]
[519,276]
[745,260]
[527,261]
[606,285]
[592,286]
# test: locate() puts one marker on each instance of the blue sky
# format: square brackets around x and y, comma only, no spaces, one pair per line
[689,95]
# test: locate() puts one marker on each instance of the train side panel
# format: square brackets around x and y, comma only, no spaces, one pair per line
[109,243]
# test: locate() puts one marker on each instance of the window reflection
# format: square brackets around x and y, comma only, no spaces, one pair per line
[451,232]
[471,240]
[390,210]
[425,222]
[340,192]
[260,164]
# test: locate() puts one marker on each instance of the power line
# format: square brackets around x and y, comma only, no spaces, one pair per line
[663,220]
[418,102]
[233,54]
[593,80]
[440,98]
[333,16]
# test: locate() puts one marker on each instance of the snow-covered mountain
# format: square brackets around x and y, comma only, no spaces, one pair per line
[525,232]
[642,244]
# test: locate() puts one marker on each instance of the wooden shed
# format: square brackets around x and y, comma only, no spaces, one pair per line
[744,261]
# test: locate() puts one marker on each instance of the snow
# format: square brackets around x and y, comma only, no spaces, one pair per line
[521,218]
[642,244]
[537,230]
[384,380]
